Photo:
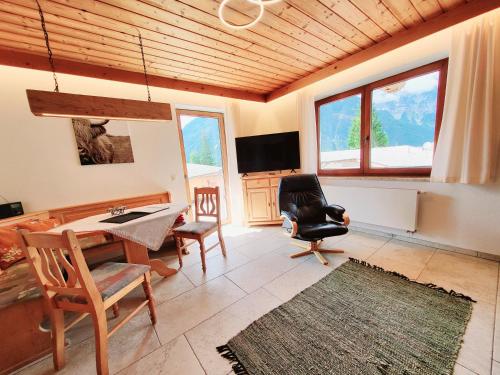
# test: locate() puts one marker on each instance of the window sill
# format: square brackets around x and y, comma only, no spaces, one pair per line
[377,178]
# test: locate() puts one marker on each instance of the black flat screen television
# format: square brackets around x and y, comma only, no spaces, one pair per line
[270,152]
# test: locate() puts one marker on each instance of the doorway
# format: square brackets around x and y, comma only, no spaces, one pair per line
[204,154]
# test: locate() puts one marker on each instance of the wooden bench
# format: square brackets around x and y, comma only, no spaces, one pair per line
[21,306]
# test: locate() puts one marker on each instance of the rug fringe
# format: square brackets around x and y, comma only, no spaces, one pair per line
[226,352]
[429,285]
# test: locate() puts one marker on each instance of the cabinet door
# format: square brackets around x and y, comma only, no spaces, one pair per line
[275,204]
[259,204]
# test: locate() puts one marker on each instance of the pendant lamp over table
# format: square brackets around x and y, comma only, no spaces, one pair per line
[57,104]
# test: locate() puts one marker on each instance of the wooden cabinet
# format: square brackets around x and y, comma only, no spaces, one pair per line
[275,207]
[259,204]
[261,199]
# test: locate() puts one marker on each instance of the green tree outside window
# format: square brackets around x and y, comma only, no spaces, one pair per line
[378,135]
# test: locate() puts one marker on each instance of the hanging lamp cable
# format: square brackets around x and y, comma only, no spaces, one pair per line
[49,51]
[144,65]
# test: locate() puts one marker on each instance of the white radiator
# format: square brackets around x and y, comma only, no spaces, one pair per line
[393,208]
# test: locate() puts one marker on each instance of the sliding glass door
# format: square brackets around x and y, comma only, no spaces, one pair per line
[204,155]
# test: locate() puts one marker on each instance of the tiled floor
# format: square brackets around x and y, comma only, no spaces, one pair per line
[198,312]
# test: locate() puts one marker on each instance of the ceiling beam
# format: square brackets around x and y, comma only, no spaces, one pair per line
[462,13]
[38,62]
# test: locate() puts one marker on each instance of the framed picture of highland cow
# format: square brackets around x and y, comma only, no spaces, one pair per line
[102,141]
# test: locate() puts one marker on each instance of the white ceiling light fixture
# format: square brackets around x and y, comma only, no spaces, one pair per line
[260,3]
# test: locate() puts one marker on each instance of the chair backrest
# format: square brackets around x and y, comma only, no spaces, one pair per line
[207,203]
[302,196]
[47,254]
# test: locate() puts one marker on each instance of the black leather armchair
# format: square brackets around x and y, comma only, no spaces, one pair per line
[307,216]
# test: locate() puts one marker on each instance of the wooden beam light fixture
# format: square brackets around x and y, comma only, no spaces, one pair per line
[57,104]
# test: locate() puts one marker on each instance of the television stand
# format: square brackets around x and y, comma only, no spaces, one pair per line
[260,196]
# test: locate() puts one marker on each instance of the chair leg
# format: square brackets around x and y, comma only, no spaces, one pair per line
[149,295]
[331,251]
[57,320]
[178,245]
[301,254]
[304,246]
[320,257]
[101,341]
[202,253]
[116,310]
[185,250]
[221,241]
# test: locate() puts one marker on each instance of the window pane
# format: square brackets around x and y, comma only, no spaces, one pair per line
[403,122]
[203,153]
[339,133]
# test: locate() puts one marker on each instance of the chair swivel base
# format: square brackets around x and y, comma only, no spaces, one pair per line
[313,248]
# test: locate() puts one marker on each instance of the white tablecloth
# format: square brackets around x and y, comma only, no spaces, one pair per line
[149,230]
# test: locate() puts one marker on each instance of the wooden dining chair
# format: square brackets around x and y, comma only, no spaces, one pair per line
[206,204]
[67,284]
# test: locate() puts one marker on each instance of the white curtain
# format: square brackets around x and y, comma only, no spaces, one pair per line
[307,130]
[232,120]
[467,148]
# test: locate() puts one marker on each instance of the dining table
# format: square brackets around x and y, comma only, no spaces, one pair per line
[146,229]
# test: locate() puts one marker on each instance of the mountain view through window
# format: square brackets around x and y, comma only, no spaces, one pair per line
[402,126]
[203,152]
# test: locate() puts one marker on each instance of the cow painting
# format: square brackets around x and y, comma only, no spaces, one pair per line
[102,142]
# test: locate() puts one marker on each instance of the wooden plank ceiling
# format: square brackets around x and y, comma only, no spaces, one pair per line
[184,39]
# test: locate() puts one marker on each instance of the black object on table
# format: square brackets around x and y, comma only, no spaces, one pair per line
[120,219]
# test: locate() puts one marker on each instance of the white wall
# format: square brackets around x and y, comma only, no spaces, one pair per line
[464,216]
[262,118]
[39,162]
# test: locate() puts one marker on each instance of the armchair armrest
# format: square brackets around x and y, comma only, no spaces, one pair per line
[290,223]
[337,213]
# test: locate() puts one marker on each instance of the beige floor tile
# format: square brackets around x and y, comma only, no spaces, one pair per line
[365,239]
[190,309]
[262,229]
[223,326]
[334,260]
[409,270]
[352,249]
[403,257]
[216,266]
[406,251]
[174,358]
[472,276]
[262,246]
[238,236]
[261,271]
[135,340]
[165,289]
[331,242]
[461,370]
[476,350]
[495,370]
[297,279]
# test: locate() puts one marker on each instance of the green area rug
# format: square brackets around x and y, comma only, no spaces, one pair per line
[359,319]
